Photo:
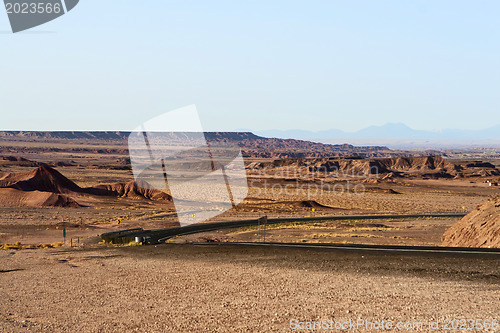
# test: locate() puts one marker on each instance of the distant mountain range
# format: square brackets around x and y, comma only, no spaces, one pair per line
[391,131]
[391,135]
[394,134]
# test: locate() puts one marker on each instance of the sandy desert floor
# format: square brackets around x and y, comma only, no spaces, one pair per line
[35,225]
[229,288]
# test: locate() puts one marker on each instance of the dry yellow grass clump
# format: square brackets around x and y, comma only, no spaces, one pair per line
[337,235]
[19,246]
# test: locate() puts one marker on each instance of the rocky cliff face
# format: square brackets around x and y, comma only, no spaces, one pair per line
[480,228]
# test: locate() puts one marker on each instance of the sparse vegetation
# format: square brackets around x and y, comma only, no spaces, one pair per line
[19,246]
[337,235]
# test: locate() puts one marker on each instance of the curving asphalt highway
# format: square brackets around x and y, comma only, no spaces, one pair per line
[156,236]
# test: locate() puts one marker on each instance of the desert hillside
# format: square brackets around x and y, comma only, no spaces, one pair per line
[480,228]
[417,166]
[47,187]
[43,178]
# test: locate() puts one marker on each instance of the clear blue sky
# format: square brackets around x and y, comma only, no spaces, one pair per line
[314,65]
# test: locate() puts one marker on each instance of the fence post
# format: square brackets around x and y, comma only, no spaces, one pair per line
[262,220]
[258,230]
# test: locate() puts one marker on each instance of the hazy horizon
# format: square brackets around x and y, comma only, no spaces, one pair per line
[391,135]
[242,129]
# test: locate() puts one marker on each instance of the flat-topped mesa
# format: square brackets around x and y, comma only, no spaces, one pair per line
[252,146]
[104,135]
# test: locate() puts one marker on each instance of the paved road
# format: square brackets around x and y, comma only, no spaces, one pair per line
[365,247]
[156,236]
[161,235]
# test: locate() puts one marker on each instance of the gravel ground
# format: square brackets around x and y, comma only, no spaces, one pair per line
[230,288]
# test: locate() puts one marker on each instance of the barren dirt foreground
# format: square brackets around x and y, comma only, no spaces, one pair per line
[230,288]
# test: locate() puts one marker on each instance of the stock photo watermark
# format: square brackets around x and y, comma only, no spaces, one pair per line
[390,325]
[313,181]
[27,14]
[172,153]
[208,177]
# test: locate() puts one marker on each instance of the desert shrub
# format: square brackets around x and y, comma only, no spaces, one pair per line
[19,246]
[8,246]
